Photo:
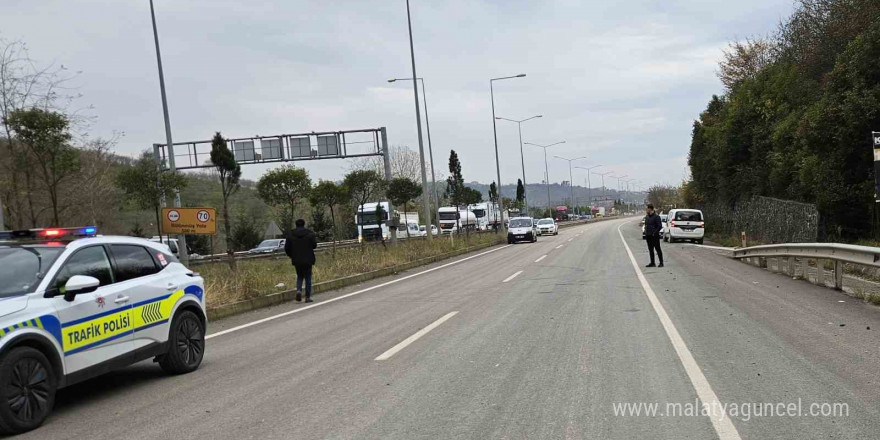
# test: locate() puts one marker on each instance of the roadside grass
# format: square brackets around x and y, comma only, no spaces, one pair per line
[260,277]
[724,240]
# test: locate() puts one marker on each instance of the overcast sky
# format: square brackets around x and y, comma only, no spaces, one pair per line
[620,81]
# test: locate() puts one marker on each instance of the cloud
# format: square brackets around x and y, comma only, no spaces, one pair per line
[620,81]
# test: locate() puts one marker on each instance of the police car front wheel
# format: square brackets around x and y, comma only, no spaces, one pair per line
[28,390]
[186,344]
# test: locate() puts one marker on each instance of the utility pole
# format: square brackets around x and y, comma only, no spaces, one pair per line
[495,134]
[426,195]
[522,157]
[546,172]
[570,177]
[181,239]
[589,186]
[430,152]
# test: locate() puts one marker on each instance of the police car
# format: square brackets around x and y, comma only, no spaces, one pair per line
[74,305]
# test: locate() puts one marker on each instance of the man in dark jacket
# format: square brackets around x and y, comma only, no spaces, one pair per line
[300,247]
[653,226]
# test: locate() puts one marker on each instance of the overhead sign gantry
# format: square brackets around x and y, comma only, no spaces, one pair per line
[279,148]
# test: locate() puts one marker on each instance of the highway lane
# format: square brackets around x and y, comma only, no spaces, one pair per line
[544,355]
[763,337]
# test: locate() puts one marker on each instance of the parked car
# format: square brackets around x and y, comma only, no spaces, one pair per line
[76,305]
[663,218]
[522,229]
[268,247]
[685,224]
[546,226]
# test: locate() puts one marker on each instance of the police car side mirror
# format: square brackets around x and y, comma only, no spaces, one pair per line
[80,284]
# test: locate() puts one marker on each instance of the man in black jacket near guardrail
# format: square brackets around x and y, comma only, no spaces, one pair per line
[653,227]
[300,247]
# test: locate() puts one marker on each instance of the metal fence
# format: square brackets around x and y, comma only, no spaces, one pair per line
[764,219]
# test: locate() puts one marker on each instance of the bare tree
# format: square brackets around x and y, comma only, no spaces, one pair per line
[744,60]
[23,85]
[404,164]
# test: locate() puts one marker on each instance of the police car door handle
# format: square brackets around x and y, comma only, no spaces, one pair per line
[120,299]
[171,286]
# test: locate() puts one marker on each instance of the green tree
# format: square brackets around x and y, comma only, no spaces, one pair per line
[401,191]
[46,136]
[284,188]
[520,194]
[327,194]
[146,186]
[247,233]
[455,183]
[493,197]
[229,172]
[319,224]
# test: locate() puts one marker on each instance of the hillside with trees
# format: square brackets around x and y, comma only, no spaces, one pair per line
[796,117]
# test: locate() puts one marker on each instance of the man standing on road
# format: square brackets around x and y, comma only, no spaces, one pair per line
[653,226]
[300,247]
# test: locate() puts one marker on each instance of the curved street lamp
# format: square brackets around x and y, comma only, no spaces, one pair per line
[546,173]
[521,155]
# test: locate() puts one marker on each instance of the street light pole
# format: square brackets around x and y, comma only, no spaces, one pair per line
[546,172]
[571,177]
[628,193]
[181,239]
[430,151]
[604,190]
[426,196]
[589,185]
[522,156]
[495,134]
[618,182]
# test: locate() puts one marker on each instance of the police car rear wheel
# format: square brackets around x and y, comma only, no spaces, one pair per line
[186,344]
[28,384]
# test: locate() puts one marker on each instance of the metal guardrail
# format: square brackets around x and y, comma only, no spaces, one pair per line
[791,252]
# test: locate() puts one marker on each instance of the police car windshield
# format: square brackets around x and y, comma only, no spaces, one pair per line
[22,267]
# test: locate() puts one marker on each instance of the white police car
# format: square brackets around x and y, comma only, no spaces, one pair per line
[74,305]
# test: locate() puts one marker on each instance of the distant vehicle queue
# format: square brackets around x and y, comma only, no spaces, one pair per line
[372,220]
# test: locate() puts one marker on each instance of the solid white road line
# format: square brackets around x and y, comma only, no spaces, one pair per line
[557,247]
[720,421]
[512,277]
[403,344]
[378,286]
[541,258]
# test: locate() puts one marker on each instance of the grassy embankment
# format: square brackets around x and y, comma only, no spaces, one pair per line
[260,276]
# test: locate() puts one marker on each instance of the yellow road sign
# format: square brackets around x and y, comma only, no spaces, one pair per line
[189,221]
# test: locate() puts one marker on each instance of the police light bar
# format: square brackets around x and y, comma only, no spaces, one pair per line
[49,233]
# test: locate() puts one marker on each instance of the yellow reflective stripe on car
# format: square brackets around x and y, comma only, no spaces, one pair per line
[150,313]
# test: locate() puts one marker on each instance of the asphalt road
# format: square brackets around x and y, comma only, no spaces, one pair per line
[546,354]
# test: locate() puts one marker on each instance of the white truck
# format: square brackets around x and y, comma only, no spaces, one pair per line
[367,224]
[488,215]
[454,220]
[408,217]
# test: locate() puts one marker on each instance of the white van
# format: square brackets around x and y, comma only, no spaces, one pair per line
[685,224]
